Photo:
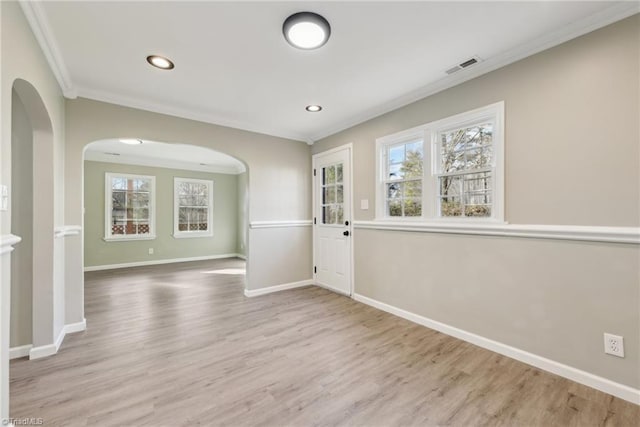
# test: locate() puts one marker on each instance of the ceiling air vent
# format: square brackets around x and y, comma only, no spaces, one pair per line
[469,62]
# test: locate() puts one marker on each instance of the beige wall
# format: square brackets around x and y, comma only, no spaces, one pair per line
[22,58]
[21,225]
[571,131]
[225,218]
[572,125]
[279,178]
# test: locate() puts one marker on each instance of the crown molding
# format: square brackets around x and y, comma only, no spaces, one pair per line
[185,113]
[38,22]
[96,156]
[575,29]
[41,29]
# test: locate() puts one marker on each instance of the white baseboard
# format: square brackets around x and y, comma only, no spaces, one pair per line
[160,261]
[71,328]
[20,351]
[51,349]
[263,291]
[599,383]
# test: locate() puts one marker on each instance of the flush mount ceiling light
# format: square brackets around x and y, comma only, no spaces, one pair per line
[160,62]
[131,141]
[306,30]
[313,108]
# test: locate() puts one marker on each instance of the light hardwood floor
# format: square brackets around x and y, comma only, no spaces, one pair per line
[180,345]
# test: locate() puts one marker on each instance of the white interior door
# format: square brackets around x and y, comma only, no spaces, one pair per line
[332,219]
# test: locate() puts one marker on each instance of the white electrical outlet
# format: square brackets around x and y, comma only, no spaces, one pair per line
[150,251]
[614,345]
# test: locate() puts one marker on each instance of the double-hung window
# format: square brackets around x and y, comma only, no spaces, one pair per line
[193,207]
[448,169]
[403,176]
[130,207]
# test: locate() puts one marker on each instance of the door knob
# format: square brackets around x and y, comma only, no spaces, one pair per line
[346,233]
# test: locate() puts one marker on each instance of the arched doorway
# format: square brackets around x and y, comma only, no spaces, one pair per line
[33,297]
[159,229]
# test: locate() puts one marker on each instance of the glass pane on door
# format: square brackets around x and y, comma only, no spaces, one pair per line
[332,194]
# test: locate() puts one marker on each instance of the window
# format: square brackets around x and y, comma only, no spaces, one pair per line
[193,207]
[403,178]
[332,195]
[449,169]
[130,203]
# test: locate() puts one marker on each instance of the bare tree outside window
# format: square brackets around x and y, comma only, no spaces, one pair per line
[465,180]
[404,179]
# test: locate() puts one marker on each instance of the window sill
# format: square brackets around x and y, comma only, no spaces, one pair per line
[191,236]
[128,238]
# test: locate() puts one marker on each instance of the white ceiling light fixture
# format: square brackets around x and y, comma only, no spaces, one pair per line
[306,30]
[160,62]
[313,108]
[130,141]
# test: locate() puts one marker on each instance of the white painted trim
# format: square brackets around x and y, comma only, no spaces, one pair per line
[570,31]
[429,134]
[127,100]
[280,224]
[20,351]
[51,349]
[241,256]
[159,261]
[72,328]
[40,27]
[178,234]
[599,383]
[108,209]
[67,230]
[629,235]
[42,351]
[42,31]
[7,241]
[277,288]
[130,238]
[315,210]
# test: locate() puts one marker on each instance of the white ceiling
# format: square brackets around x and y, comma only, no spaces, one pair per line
[161,154]
[233,66]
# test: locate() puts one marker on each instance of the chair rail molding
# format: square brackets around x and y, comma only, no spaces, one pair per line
[627,235]
[67,230]
[281,224]
[7,241]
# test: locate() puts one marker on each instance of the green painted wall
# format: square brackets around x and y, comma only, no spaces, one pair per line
[225,218]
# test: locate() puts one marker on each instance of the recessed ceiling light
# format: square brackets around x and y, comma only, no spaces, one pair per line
[131,141]
[306,30]
[313,108]
[160,62]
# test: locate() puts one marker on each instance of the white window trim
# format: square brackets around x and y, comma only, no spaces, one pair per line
[429,133]
[178,234]
[108,209]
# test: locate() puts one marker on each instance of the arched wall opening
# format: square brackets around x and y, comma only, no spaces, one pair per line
[33,298]
[118,234]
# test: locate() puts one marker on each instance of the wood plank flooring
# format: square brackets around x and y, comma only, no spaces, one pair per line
[180,345]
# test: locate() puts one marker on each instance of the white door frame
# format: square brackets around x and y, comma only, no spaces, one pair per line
[349,148]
